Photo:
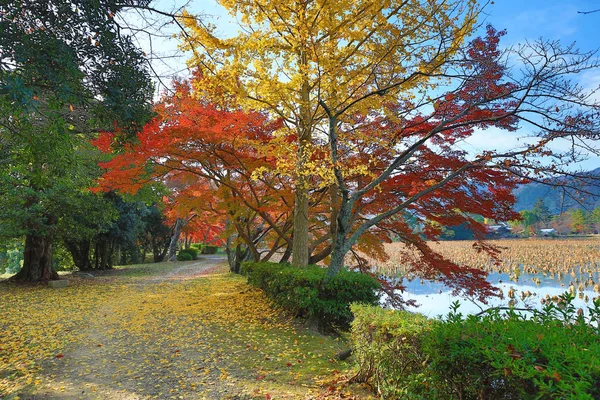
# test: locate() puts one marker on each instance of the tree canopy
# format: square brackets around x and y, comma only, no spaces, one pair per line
[354,56]
[66,71]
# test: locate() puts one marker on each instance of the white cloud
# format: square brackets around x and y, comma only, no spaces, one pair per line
[590,82]
[495,139]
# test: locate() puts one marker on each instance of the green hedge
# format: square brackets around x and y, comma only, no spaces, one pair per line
[307,293]
[184,256]
[551,355]
[191,251]
[387,347]
[209,249]
[202,248]
[512,358]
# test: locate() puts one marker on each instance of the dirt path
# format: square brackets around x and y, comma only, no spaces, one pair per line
[182,331]
[111,364]
[204,266]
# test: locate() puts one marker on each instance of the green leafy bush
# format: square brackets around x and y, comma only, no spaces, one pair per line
[552,354]
[184,256]
[387,349]
[307,293]
[209,249]
[191,251]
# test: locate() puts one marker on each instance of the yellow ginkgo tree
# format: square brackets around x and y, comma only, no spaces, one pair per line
[303,59]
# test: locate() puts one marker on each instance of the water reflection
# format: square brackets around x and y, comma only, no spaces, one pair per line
[434,298]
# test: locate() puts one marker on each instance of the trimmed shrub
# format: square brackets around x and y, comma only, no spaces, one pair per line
[553,354]
[191,251]
[184,256]
[387,348]
[209,249]
[307,293]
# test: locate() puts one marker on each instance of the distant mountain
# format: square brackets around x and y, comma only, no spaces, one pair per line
[554,198]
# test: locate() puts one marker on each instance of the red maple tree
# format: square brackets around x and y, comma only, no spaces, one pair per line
[395,174]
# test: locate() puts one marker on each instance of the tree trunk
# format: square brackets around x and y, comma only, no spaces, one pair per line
[243,232]
[37,260]
[96,256]
[103,254]
[121,257]
[235,257]
[80,252]
[159,249]
[231,259]
[340,242]
[313,323]
[175,239]
[158,257]
[337,256]
[320,256]
[100,253]
[107,253]
[142,255]
[286,255]
[335,208]
[300,234]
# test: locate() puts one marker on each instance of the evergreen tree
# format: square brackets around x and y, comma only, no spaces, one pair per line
[542,212]
[529,218]
[66,70]
[579,220]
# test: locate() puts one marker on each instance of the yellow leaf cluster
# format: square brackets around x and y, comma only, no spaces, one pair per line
[338,50]
[300,59]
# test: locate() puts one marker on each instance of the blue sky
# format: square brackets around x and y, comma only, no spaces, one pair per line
[528,20]
[550,19]
[524,20]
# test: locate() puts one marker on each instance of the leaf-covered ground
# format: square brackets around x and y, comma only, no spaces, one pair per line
[171,330]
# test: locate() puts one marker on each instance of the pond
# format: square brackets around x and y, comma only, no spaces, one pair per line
[527,291]
[538,267]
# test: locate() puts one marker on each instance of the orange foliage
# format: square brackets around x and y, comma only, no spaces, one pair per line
[206,156]
[397,174]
